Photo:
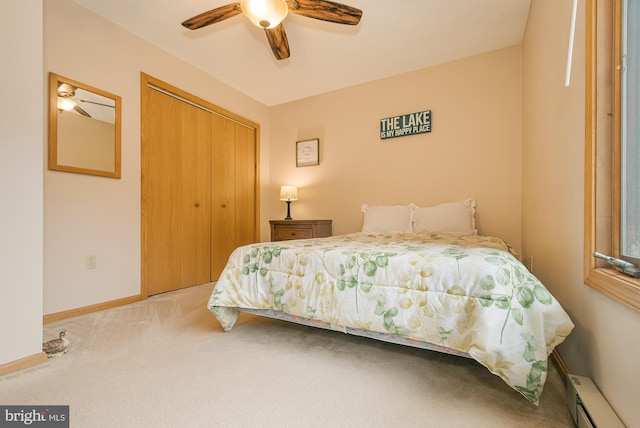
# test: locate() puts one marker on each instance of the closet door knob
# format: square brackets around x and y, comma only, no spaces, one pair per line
[223,206]
[197,205]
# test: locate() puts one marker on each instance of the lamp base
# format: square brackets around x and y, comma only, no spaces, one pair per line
[288,217]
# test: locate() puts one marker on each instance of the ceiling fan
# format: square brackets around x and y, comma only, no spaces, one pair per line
[67,100]
[269,14]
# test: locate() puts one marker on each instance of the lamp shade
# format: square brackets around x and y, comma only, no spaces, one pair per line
[288,193]
[265,13]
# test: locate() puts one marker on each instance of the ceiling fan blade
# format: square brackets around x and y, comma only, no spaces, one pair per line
[214,15]
[81,111]
[278,41]
[326,11]
[96,103]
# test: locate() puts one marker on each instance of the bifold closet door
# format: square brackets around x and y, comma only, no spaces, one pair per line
[199,187]
[163,180]
[245,195]
[196,195]
[178,183]
[223,218]
[233,208]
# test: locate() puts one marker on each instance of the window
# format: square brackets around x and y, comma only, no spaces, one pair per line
[612,179]
[630,135]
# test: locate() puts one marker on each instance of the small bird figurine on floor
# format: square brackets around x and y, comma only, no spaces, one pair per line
[56,347]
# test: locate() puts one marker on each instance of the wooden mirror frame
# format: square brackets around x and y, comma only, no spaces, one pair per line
[113,101]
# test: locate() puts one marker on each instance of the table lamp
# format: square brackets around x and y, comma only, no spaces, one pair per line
[288,194]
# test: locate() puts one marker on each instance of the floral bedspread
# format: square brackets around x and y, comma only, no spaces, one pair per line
[468,293]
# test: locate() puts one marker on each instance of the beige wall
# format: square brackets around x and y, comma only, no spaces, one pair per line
[474,149]
[605,344]
[86,215]
[21,133]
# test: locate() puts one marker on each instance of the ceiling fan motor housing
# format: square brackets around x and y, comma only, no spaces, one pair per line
[265,13]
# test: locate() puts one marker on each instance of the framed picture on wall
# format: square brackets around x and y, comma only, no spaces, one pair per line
[307,152]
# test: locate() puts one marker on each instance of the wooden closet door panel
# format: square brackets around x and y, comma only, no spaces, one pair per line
[245,185]
[196,195]
[222,190]
[163,182]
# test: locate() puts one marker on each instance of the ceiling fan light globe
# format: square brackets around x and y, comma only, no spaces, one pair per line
[65,104]
[265,13]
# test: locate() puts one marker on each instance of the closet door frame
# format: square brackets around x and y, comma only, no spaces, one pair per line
[150,83]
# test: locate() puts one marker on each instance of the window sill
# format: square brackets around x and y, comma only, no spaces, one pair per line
[623,288]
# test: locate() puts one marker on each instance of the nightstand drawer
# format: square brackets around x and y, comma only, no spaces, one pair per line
[285,234]
[284,230]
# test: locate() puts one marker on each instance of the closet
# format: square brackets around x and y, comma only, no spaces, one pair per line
[199,187]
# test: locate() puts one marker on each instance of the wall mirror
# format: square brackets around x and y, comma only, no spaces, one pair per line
[84,128]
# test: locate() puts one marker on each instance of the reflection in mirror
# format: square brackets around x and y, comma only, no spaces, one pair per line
[84,128]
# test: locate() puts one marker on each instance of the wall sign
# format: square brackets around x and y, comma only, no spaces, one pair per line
[307,152]
[407,124]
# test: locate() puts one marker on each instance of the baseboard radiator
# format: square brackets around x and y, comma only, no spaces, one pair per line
[588,407]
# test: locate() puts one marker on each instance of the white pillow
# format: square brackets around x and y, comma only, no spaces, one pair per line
[388,218]
[453,217]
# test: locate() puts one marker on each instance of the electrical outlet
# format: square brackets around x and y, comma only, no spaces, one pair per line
[91,262]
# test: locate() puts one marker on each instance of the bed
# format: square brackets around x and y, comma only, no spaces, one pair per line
[460,293]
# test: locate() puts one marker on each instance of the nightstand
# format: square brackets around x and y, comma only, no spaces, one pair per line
[284,230]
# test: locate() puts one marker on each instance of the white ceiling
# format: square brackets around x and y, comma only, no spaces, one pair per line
[393,37]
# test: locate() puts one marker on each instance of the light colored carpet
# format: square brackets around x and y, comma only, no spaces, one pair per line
[165,362]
